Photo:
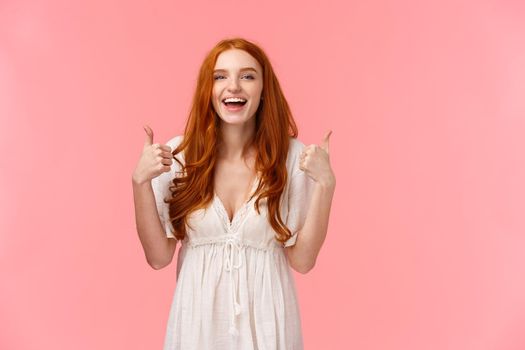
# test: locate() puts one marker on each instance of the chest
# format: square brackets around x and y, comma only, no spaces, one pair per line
[233,184]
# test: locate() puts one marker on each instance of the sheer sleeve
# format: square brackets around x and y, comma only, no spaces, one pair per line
[299,197]
[160,186]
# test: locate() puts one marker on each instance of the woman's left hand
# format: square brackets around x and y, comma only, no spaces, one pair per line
[315,161]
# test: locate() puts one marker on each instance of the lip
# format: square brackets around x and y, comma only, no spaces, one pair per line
[233,108]
[224,98]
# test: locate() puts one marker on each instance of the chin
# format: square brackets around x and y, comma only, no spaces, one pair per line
[232,119]
[235,118]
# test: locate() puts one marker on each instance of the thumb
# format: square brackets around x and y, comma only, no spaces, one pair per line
[326,140]
[149,138]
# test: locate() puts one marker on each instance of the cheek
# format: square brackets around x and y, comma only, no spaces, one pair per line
[216,90]
[215,97]
[255,91]
[258,91]
[214,102]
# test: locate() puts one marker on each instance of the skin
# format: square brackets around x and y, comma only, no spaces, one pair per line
[154,160]
[315,161]
[236,127]
[234,173]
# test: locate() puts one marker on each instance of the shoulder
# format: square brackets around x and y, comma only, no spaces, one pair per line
[175,141]
[296,146]
[295,143]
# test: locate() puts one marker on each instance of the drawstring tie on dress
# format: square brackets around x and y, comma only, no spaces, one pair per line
[232,246]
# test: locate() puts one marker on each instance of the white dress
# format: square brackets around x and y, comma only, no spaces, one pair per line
[235,289]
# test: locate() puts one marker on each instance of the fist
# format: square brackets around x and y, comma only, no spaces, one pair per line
[315,162]
[154,160]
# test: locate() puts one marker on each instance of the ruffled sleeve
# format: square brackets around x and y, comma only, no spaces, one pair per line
[160,186]
[299,197]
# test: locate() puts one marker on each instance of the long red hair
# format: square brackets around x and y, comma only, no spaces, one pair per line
[192,189]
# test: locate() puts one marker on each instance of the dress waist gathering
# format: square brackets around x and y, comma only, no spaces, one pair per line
[232,259]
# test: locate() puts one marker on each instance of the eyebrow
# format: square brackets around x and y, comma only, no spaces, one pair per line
[242,70]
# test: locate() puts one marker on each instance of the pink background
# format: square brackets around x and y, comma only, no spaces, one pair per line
[426,245]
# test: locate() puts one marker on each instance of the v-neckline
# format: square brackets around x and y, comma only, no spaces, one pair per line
[235,214]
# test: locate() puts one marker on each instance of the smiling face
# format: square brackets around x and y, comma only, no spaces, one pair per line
[237,86]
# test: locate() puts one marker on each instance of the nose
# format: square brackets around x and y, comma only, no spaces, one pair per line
[234,85]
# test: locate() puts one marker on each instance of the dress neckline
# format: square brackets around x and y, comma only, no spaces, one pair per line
[241,209]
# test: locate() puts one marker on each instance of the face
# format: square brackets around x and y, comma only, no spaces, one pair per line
[236,75]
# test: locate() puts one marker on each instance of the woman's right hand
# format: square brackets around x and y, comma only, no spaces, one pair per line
[155,160]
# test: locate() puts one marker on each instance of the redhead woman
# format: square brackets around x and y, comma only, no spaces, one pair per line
[246,200]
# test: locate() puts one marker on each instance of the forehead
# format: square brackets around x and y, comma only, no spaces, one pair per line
[234,59]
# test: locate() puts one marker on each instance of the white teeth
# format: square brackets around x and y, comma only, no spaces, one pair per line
[234,99]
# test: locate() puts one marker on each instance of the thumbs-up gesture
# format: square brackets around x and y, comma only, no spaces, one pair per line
[315,162]
[155,159]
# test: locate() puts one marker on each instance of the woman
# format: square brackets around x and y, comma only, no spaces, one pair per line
[245,198]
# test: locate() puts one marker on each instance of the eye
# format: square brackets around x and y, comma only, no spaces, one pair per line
[249,76]
[217,77]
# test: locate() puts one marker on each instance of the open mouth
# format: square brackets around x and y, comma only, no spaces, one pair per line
[234,104]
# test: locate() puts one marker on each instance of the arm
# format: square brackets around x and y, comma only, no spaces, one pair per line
[303,254]
[159,249]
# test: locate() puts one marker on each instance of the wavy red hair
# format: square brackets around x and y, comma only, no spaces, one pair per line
[192,188]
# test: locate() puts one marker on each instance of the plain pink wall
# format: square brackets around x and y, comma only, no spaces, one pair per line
[426,245]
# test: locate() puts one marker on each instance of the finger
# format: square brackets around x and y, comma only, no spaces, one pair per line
[166,161]
[149,137]
[301,164]
[165,148]
[326,141]
[167,155]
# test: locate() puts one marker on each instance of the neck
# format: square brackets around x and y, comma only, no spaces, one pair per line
[234,139]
